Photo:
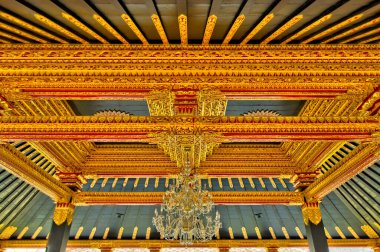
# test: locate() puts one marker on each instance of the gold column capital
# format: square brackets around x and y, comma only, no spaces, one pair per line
[64,211]
[311,212]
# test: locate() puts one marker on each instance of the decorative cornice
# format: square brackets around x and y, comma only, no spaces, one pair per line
[19,165]
[184,73]
[138,128]
[194,51]
[153,198]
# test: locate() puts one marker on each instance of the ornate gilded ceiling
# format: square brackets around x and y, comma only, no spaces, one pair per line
[268,127]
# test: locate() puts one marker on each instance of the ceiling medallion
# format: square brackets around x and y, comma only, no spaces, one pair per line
[262,113]
[111,113]
[186,211]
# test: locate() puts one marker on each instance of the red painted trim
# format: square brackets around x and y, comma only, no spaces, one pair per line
[285,90]
[69,90]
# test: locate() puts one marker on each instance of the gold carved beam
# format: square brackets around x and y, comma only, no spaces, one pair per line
[355,162]
[132,71]
[315,52]
[20,166]
[124,243]
[155,198]
[141,128]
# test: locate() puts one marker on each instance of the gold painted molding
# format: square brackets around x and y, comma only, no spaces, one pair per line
[214,243]
[155,198]
[137,128]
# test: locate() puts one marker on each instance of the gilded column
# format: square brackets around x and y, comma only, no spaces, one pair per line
[315,233]
[60,230]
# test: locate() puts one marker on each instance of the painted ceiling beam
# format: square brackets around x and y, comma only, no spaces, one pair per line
[354,163]
[130,20]
[76,20]
[22,167]
[52,23]
[182,21]
[288,22]
[238,21]
[157,21]
[316,21]
[104,21]
[335,27]
[219,198]
[211,21]
[142,129]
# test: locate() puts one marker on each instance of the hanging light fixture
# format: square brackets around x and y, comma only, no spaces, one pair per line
[186,212]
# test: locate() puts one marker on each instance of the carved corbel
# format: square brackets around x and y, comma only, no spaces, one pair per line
[64,211]
[311,213]
[161,103]
[301,180]
[211,103]
[72,180]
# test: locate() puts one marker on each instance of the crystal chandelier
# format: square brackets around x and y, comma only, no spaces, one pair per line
[186,212]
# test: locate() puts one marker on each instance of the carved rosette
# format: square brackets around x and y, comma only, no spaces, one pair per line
[311,212]
[64,211]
